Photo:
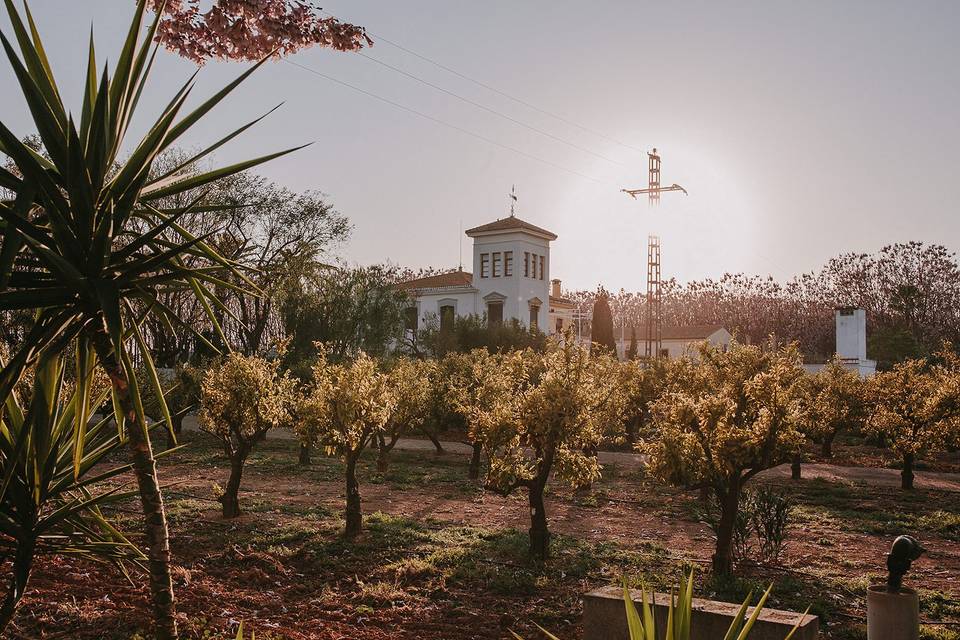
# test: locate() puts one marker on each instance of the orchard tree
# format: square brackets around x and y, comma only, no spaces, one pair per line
[347,407]
[834,399]
[539,414]
[409,383]
[466,378]
[241,399]
[251,29]
[916,408]
[639,385]
[726,417]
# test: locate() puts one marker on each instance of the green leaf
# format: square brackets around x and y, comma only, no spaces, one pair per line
[756,614]
[193,182]
[634,626]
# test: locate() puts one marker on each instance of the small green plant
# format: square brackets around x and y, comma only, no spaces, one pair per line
[760,526]
[642,624]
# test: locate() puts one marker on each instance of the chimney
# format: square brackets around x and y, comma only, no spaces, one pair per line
[852,334]
[555,288]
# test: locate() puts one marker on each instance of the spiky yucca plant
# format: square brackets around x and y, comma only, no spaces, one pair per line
[84,245]
[642,624]
[46,507]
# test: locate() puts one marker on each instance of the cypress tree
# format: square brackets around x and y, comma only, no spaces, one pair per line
[632,351]
[602,334]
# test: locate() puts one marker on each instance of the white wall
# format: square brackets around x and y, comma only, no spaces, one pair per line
[852,333]
[429,303]
[517,289]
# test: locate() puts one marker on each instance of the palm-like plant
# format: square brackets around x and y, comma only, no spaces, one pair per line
[641,624]
[45,506]
[84,245]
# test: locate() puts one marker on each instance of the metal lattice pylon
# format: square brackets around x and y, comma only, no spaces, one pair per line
[653,339]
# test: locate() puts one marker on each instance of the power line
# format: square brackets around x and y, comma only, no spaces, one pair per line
[445,123]
[500,92]
[493,111]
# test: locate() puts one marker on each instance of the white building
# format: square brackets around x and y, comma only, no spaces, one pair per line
[510,279]
[851,342]
[676,341]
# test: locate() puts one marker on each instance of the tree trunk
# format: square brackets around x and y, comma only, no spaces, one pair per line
[705,493]
[383,454]
[826,448]
[438,448]
[906,476]
[474,471]
[304,454]
[795,467]
[230,498]
[22,565]
[723,554]
[353,513]
[539,535]
[151,499]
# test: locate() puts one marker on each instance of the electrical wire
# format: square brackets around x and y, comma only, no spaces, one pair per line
[500,92]
[444,123]
[478,105]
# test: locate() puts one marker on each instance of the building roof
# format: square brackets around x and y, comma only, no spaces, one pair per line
[690,332]
[562,302]
[451,279]
[511,223]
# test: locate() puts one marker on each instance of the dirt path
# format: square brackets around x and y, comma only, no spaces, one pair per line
[832,473]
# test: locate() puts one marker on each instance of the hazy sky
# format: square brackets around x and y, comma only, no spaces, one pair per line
[800,129]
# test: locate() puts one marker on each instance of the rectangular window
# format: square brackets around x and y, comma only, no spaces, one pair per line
[484,265]
[526,264]
[446,318]
[410,319]
[559,325]
[534,317]
[542,270]
[533,266]
[496,264]
[508,263]
[494,313]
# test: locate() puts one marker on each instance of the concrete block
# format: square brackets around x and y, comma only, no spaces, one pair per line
[604,618]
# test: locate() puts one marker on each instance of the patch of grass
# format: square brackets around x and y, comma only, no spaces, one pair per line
[862,509]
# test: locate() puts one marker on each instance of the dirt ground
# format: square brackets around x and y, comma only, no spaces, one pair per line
[440,558]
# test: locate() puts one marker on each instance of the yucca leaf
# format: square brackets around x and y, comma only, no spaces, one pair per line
[670,633]
[86,361]
[169,177]
[89,91]
[634,625]
[152,376]
[35,60]
[49,128]
[123,78]
[738,619]
[756,614]
[803,617]
[194,116]
[199,180]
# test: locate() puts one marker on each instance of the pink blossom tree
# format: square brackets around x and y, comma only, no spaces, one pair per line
[251,29]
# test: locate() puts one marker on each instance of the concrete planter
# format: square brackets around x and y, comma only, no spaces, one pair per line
[892,616]
[604,618]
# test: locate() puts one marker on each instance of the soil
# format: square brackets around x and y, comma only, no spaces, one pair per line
[283,569]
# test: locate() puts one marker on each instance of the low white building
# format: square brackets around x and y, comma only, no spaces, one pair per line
[851,343]
[676,341]
[510,279]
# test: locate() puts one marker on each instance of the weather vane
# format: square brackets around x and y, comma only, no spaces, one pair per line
[513,198]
